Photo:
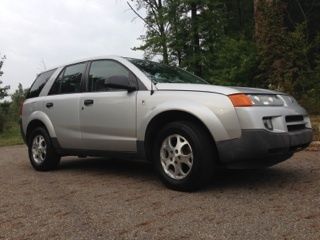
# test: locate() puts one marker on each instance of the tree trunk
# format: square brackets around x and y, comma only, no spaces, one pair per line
[175,24]
[197,68]
[240,15]
[163,34]
[258,14]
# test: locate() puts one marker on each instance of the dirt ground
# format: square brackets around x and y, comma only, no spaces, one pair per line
[117,199]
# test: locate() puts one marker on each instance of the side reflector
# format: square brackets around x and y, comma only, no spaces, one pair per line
[240,100]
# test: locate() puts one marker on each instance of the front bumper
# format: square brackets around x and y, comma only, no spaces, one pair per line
[260,148]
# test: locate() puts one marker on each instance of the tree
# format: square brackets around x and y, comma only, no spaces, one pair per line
[3,93]
[187,32]
[195,32]
[270,36]
[3,90]
[261,43]
[16,99]
[155,39]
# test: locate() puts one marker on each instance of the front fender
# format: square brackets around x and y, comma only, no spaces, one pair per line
[203,113]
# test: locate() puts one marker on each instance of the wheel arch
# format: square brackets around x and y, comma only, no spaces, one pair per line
[33,125]
[166,117]
[39,119]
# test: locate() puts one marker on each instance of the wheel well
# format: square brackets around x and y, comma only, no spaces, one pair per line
[33,125]
[164,118]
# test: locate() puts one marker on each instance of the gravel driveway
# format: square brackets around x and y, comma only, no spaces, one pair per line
[116,199]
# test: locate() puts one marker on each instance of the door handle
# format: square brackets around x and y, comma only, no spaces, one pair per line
[88,102]
[49,104]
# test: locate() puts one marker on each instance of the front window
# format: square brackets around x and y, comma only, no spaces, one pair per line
[160,73]
[101,71]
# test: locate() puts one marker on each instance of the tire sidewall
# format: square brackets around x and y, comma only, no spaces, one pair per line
[51,158]
[194,178]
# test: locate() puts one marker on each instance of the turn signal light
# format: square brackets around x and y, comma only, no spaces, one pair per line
[240,100]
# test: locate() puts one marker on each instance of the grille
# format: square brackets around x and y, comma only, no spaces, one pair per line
[296,118]
[297,127]
[295,123]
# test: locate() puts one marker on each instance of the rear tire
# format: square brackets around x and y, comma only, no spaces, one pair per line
[42,155]
[184,156]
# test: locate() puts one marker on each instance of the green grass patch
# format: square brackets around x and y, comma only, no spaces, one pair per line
[11,135]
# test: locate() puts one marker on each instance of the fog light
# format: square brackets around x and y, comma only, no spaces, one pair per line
[268,123]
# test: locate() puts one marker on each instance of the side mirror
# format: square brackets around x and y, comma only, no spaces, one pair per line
[119,82]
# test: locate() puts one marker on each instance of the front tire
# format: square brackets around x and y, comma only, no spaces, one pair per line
[184,156]
[42,155]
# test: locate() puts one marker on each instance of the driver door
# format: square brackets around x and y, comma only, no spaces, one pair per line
[107,115]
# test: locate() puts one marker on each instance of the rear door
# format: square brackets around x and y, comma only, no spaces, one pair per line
[62,105]
[108,116]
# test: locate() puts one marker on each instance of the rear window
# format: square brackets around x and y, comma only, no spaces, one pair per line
[39,83]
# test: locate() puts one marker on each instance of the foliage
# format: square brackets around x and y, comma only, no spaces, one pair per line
[3,93]
[261,43]
[270,39]
[315,122]
[199,34]
[235,63]
[155,39]
[9,111]
[190,31]
[288,54]
[11,135]
[16,99]
[3,90]
[311,99]
[2,121]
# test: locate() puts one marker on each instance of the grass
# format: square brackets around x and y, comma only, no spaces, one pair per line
[11,135]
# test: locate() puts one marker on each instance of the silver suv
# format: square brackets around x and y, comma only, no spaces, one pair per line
[145,110]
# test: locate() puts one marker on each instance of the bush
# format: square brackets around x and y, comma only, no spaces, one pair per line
[235,63]
[2,121]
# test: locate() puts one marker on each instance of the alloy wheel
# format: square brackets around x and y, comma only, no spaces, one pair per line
[176,156]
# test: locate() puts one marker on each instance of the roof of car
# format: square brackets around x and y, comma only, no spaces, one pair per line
[85,60]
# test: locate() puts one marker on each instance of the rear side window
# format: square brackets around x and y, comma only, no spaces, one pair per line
[69,80]
[39,83]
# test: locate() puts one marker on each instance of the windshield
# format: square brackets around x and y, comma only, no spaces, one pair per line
[160,73]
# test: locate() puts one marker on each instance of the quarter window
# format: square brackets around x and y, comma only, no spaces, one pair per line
[101,70]
[69,81]
[39,83]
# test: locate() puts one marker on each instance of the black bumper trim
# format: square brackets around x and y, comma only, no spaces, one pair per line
[261,147]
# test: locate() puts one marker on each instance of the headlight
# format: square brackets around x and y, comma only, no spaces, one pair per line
[265,100]
[247,100]
[289,100]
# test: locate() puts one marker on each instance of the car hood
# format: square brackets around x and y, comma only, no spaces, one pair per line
[212,88]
